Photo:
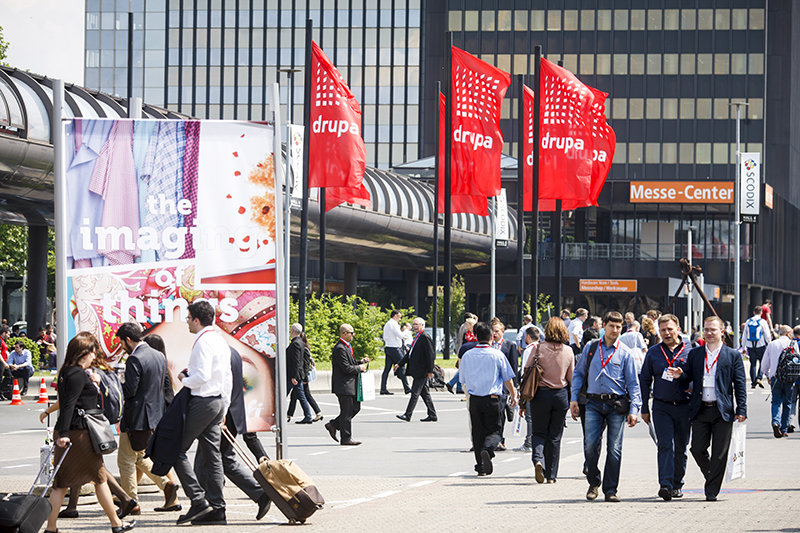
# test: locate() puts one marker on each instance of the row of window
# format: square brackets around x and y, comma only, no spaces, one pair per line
[680,153]
[607,19]
[123,6]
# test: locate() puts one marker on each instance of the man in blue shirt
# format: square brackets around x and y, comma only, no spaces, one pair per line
[670,415]
[612,396]
[483,371]
[19,361]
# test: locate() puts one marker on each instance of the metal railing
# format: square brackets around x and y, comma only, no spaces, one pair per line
[574,251]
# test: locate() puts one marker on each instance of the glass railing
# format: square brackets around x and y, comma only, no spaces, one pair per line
[575,251]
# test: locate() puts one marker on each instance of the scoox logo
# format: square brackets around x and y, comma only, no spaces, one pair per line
[475,139]
[335,126]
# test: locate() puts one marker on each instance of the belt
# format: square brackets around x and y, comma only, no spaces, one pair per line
[673,403]
[710,404]
[604,397]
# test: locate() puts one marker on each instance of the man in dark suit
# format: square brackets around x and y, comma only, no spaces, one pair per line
[145,388]
[718,374]
[295,371]
[236,422]
[420,359]
[345,385]
[509,349]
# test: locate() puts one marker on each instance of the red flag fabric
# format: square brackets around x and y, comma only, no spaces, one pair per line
[477,90]
[335,196]
[577,144]
[459,203]
[338,157]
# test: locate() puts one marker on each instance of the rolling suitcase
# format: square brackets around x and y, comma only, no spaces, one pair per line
[285,483]
[26,513]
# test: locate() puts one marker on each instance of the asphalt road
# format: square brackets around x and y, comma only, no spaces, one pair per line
[420,475]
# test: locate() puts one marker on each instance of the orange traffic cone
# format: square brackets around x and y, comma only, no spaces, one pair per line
[16,399]
[43,398]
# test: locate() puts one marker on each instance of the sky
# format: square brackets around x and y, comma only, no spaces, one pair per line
[45,37]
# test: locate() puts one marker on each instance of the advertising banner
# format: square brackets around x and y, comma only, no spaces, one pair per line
[163,213]
[681,192]
[750,187]
[501,235]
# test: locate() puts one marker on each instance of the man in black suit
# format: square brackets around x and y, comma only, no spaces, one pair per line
[509,349]
[295,371]
[420,359]
[236,422]
[145,388]
[718,374]
[345,385]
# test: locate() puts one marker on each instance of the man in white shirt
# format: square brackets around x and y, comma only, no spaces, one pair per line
[756,336]
[635,341]
[781,392]
[393,340]
[210,380]
[576,330]
[521,340]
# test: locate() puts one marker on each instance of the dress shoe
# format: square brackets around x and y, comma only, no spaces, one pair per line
[386,393]
[481,474]
[131,507]
[612,497]
[677,493]
[428,419]
[318,417]
[785,435]
[351,443]
[170,495]
[170,509]
[710,498]
[791,429]
[68,513]
[591,494]
[264,503]
[449,388]
[332,431]
[24,392]
[123,527]
[760,383]
[665,493]
[214,518]
[539,472]
[305,421]
[407,391]
[776,430]
[404,418]
[195,512]
[486,462]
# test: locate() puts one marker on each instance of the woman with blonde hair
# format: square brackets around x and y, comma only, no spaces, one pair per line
[550,404]
[649,332]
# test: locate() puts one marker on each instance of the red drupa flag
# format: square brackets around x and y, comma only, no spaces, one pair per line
[459,203]
[477,90]
[337,154]
[335,196]
[605,143]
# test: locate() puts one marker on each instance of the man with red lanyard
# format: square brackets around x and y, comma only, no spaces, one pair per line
[420,360]
[344,380]
[612,398]
[670,416]
[718,374]
[5,383]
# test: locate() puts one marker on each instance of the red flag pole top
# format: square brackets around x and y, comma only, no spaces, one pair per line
[477,90]
[338,157]
[577,144]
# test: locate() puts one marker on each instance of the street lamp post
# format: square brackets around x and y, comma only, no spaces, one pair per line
[737,224]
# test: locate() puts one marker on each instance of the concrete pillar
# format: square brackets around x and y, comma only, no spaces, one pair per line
[37,279]
[412,289]
[777,307]
[788,316]
[795,310]
[756,298]
[350,278]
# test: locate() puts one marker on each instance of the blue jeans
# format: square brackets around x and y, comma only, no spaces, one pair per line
[781,398]
[597,415]
[672,425]
[457,383]
[298,393]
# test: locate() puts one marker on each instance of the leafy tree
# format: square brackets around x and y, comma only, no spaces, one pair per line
[13,249]
[458,304]
[543,305]
[3,47]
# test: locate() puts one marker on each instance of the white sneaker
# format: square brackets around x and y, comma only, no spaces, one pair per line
[523,448]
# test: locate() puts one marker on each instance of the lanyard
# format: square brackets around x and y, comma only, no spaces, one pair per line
[348,347]
[604,363]
[415,339]
[198,337]
[674,355]
[708,368]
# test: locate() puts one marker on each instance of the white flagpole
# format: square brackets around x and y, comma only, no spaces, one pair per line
[61,224]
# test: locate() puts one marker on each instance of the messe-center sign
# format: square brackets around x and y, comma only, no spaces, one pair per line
[682,192]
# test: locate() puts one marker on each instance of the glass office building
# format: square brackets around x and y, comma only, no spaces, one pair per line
[671,69]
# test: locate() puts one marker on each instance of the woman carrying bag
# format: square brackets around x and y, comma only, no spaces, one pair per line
[77,392]
[550,404]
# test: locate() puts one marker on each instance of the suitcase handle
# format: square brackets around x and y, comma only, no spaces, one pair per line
[236,446]
[55,470]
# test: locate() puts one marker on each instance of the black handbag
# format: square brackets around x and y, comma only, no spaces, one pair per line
[100,433]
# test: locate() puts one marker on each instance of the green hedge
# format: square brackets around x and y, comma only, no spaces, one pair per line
[30,344]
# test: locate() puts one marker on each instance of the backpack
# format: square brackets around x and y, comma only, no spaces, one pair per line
[753,329]
[589,356]
[111,389]
[789,364]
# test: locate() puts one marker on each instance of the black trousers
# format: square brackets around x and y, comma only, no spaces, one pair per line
[548,409]
[486,417]
[708,427]
[348,408]
[393,356]
[7,383]
[419,387]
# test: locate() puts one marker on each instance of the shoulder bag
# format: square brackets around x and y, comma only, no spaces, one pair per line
[531,378]
[100,433]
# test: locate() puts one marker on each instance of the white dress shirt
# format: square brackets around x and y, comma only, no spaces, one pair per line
[710,370]
[576,332]
[210,366]
[392,336]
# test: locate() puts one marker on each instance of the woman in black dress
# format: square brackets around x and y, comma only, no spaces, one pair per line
[77,390]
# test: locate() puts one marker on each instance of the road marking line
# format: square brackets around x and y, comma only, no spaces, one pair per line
[387,493]
[318,453]
[423,483]
[573,441]
[16,466]
[456,474]
[350,503]
[510,459]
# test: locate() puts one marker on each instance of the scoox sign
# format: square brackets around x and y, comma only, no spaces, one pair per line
[750,187]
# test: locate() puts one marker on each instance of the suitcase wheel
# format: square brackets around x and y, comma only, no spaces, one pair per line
[294,521]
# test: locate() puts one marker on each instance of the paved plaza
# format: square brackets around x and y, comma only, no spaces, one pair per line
[419,477]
